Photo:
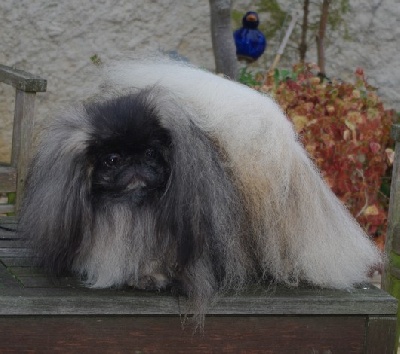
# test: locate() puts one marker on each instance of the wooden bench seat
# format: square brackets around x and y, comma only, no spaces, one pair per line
[43,314]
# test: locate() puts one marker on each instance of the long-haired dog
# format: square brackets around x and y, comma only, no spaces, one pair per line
[177,177]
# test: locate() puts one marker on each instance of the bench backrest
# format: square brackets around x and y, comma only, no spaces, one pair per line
[12,177]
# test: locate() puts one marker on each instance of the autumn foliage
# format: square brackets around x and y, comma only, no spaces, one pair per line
[346,130]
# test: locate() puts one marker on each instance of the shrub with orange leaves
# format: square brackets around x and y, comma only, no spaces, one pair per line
[346,130]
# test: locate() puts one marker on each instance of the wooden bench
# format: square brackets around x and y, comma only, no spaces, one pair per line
[42,314]
[12,177]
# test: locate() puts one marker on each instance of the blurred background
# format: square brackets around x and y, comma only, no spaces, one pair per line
[56,39]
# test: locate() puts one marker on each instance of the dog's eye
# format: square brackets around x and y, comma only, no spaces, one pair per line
[150,153]
[111,160]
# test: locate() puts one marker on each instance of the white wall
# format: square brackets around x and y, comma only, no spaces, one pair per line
[55,39]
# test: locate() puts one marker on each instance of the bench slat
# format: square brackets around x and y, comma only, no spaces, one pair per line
[8,179]
[22,80]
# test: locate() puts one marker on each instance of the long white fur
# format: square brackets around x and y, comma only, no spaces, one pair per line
[301,230]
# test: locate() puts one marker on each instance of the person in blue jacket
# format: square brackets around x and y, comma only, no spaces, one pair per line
[249,40]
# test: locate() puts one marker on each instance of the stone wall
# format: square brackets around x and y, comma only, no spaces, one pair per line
[56,38]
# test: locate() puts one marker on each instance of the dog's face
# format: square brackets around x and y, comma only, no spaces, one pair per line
[129,152]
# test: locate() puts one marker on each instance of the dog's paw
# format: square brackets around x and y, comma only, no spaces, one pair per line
[156,281]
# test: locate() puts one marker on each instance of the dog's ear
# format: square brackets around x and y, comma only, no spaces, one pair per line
[56,203]
[201,208]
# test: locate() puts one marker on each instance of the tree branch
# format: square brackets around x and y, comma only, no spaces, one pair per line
[222,38]
[321,35]
[304,28]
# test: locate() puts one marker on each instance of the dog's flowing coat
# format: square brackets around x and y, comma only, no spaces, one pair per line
[176,176]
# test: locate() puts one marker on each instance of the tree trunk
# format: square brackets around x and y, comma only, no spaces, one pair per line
[304,28]
[321,35]
[222,38]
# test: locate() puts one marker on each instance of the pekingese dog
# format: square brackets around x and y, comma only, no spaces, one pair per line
[174,177]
